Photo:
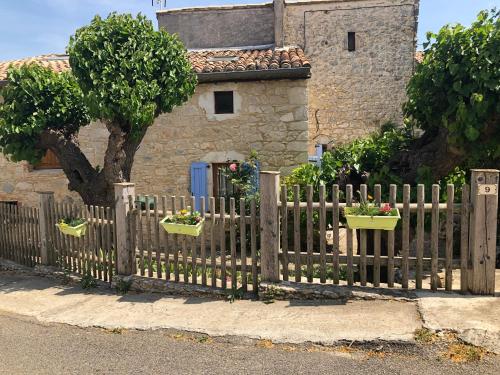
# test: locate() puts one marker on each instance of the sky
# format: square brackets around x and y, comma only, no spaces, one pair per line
[36,27]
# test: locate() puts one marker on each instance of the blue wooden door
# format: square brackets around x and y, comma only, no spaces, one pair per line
[199,183]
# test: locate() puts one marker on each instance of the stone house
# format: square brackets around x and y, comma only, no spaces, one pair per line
[257,91]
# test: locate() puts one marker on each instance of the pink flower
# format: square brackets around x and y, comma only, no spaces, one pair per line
[233,167]
[386,208]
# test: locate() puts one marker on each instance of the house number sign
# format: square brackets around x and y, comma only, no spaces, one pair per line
[487,189]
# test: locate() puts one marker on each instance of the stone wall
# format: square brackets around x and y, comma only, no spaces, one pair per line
[271,117]
[352,93]
[219,27]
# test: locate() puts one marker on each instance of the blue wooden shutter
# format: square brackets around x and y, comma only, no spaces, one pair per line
[199,183]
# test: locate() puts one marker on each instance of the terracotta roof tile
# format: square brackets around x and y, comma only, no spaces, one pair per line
[419,56]
[57,63]
[206,61]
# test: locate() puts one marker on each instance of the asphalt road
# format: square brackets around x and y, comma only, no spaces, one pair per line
[28,347]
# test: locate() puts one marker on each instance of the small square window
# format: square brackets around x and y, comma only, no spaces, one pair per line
[224,102]
[351,41]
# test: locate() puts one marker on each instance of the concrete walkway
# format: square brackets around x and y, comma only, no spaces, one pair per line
[475,319]
[282,321]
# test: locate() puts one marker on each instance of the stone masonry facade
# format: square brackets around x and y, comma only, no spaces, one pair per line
[270,117]
[352,93]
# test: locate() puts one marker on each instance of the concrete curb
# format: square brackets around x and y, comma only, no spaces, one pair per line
[286,290]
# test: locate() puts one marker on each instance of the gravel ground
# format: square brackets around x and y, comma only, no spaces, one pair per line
[28,347]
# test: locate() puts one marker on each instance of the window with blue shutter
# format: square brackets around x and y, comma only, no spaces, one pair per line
[199,183]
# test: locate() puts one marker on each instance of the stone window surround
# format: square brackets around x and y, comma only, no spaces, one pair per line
[206,101]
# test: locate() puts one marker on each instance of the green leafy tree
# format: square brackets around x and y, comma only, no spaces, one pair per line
[454,96]
[123,73]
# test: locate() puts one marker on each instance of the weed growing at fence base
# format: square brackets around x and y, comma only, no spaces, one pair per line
[88,282]
[123,286]
[235,293]
[199,271]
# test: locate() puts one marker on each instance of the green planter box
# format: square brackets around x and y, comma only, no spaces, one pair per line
[77,231]
[188,230]
[371,222]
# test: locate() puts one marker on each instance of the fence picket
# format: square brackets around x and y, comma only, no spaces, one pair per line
[363,239]
[232,241]
[194,255]
[449,237]
[420,235]
[109,246]
[434,237]
[243,245]
[336,237]
[309,234]
[222,229]
[156,226]
[253,244]
[147,236]
[284,231]
[203,246]
[406,236]
[322,233]
[185,272]
[350,270]
[176,243]
[213,254]
[464,237]
[296,232]
[165,239]
[377,240]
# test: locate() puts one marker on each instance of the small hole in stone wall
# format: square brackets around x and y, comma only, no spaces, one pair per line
[351,41]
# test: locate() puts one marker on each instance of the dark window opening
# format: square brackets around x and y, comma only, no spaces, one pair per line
[223,188]
[351,41]
[224,102]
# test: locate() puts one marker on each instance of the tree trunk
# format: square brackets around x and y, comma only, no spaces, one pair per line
[95,187]
[431,151]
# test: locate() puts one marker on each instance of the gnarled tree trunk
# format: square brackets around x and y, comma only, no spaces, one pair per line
[431,151]
[94,186]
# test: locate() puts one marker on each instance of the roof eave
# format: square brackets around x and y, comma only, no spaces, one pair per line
[255,75]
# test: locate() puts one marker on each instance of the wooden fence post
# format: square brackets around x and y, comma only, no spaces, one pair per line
[483,231]
[269,226]
[46,246]
[124,253]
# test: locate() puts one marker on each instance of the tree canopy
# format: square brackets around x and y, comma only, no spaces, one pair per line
[123,73]
[456,88]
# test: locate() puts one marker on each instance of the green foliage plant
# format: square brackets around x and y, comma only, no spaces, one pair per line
[124,73]
[185,217]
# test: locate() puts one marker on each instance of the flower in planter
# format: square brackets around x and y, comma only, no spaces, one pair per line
[233,167]
[386,209]
[185,217]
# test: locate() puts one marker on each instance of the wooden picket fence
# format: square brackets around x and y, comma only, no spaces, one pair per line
[19,234]
[320,263]
[281,237]
[92,254]
[225,255]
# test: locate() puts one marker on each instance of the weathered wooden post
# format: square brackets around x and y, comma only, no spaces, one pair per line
[46,246]
[269,226]
[483,231]
[124,252]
